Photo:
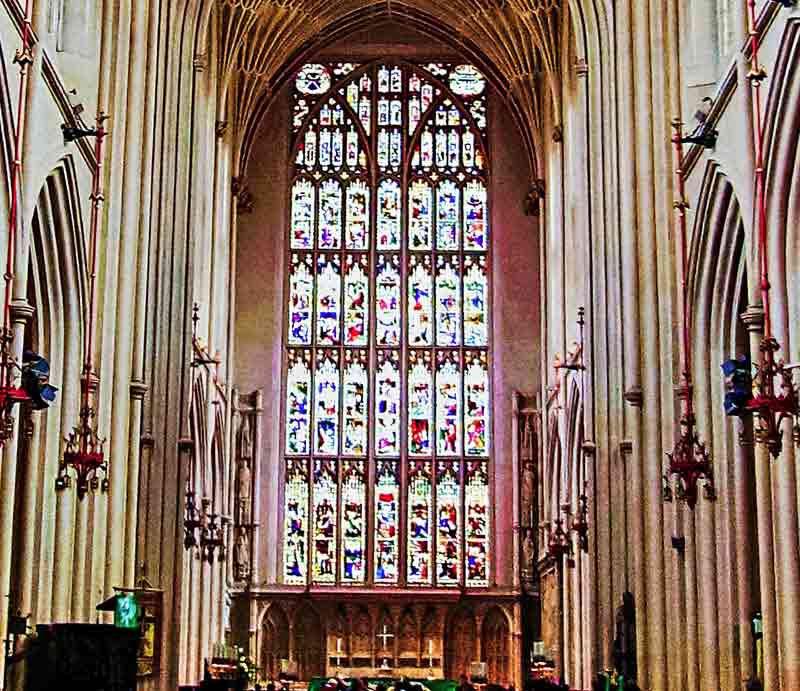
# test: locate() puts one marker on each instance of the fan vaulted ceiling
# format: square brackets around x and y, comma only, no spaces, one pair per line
[261,41]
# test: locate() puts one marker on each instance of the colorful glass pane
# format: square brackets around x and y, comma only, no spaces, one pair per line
[389,206]
[326,405]
[383,149]
[447,221]
[475,226]
[353,149]
[441,149]
[427,149]
[325,147]
[356,300]
[468,149]
[310,149]
[354,538]
[337,149]
[453,149]
[387,495]
[298,402]
[420,403]
[313,79]
[476,497]
[301,292]
[476,396]
[420,509]
[420,224]
[475,293]
[396,80]
[448,526]
[387,404]
[303,202]
[329,296]
[325,503]
[420,303]
[448,404]
[383,79]
[465,80]
[330,215]
[387,317]
[357,236]
[355,403]
[448,301]
[396,149]
[295,552]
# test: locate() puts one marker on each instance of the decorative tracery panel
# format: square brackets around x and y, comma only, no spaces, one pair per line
[387,360]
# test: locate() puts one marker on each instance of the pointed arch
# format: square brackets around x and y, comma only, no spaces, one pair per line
[461,640]
[496,646]
[309,642]
[274,641]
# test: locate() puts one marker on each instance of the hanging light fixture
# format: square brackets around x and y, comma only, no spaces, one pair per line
[84,449]
[774,396]
[689,461]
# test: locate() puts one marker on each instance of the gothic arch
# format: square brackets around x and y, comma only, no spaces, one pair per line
[274,641]
[496,647]
[309,642]
[461,640]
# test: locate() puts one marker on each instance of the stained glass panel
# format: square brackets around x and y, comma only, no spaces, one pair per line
[329,297]
[303,213]
[295,522]
[475,309]
[476,395]
[325,503]
[354,538]
[389,206]
[448,404]
[330,215]
[358,215]
[475,226]
[420,403]
[448,301]
[429,395]
[448,531]
[301,292]
[356,300]
[326,409]
[420,302]
[420,202]
[298,402]
[420,509]
[355,403]
[387,495]
[476,496]
[388,300]
[313,79]
[447,216]
[387,404]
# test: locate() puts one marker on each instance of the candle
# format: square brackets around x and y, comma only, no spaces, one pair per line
[430,647]
[338,645]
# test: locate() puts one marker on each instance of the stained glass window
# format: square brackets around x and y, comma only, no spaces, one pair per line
[387,371]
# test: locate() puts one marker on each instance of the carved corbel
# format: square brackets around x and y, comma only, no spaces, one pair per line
[533,199]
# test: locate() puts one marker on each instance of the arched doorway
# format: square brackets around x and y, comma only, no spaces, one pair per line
[494,641]
[309,639]
[275,642]
[460,646]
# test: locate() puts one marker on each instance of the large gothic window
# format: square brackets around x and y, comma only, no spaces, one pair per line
[387,401]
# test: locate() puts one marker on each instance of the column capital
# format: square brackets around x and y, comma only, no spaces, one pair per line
[753,318]
[21,311]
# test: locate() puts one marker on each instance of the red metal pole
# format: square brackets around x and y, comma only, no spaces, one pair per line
[24,59]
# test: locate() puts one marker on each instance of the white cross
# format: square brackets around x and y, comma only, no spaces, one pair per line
[385,635]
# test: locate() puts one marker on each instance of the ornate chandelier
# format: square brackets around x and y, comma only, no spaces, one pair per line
[689,460]
[772,395]
[84,450]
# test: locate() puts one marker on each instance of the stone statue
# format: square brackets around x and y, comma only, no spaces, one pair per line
[241,556]
[528,555]
[528,489]
[246,439]
[243,487]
